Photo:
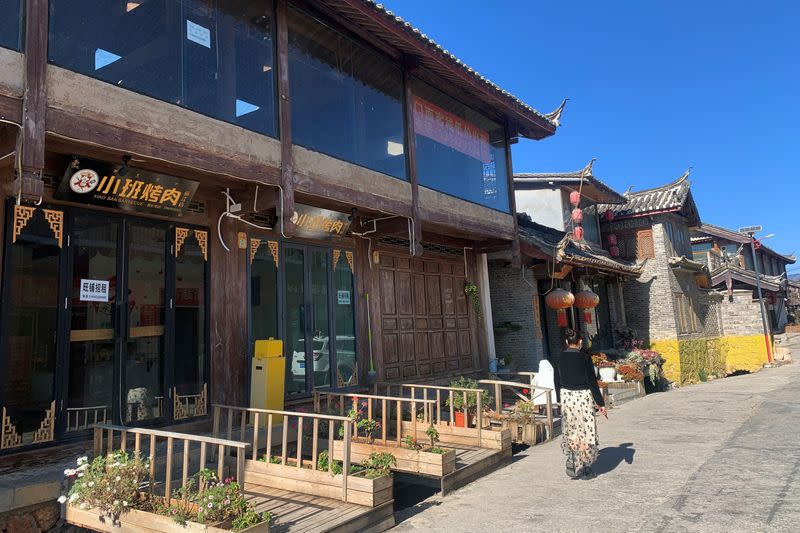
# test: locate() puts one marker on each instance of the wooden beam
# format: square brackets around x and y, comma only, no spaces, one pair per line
[33,120]
[516,257]
[329,195]
[411,157]
[11,109]
[71,133]
[285,116]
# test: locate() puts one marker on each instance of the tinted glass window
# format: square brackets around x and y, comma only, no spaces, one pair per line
[11,24]
[209,56]
[346,99]
[459,151]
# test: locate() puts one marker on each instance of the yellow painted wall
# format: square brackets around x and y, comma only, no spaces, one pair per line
[743,353]
[669,350]
[692,360]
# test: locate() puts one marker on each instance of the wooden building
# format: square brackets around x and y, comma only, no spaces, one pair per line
[180,180]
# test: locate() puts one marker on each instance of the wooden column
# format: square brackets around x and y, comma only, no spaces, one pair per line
[30,184]
[411,151]
[516,257]
[228,307]
[285,115]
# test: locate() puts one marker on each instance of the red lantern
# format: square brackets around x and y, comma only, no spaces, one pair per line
[560,300]
[575,198]
[577,232]
[614,251]
[587,300]
[612,239]
[608,216]
[577,215]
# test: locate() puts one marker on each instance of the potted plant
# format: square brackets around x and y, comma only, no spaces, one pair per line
[630,373]
[608,371]
[598,358]
[472,401]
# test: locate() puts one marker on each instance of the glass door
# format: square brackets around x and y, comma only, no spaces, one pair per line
[145,313]
[308,345]
[93,323]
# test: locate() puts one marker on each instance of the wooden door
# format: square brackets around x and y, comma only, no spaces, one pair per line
[427,330]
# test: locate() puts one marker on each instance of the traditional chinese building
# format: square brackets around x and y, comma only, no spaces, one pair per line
[561,248]
[181,180]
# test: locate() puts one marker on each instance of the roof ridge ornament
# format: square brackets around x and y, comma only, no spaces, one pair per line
[555,116]
[587,170]
[685,175]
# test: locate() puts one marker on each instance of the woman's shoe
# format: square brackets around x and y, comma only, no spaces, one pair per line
[587,473]
[571,472]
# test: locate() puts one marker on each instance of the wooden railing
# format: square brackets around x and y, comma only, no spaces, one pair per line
[263,427]
[79,418]
[441,408]
[383,409]
[155,445]
[517,390]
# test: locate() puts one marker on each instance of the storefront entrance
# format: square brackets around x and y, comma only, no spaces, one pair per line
[312,286]
[106,322]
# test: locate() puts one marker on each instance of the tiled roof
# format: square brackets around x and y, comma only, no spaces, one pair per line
[560,246]
[667,197]
[729,270]
[702,233]
[411,40]
[594,188]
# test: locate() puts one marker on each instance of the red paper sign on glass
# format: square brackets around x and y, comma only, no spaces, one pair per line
[446,128]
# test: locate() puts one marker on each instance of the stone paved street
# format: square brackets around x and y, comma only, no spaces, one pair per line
[718,456]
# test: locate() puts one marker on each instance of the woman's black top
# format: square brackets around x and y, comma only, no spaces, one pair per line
[575,371]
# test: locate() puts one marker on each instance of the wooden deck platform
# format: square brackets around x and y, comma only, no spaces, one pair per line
[299,513]
[471,464]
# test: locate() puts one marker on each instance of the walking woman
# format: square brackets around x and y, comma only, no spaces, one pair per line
[578,395]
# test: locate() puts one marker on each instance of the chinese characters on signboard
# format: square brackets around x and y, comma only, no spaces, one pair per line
[450,130]
[319,223]
[94,290]
[127,188]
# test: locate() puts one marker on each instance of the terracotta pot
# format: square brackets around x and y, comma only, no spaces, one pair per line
[459,419]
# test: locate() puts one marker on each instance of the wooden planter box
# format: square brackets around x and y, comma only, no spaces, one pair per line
[135,520]
[456,436]
[530,432]
[411,461]
[360,490]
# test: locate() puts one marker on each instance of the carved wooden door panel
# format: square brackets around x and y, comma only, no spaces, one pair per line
[426,326]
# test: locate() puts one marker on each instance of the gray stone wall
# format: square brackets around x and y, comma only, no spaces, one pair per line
[512,301]
[742,316]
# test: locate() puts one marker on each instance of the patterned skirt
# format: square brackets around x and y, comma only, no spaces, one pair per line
[579,428]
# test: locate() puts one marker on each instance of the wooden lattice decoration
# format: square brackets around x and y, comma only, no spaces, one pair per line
[180,406]
[56,221]
[9,438]
[336,255]
[202,241]
[180,237]
[46,431]
[349,257]
[254,244]
[273,249]
[22,214]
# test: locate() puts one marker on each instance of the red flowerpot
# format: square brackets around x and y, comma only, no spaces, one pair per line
[459,419]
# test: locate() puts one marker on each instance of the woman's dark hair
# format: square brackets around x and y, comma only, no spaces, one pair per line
[572,337]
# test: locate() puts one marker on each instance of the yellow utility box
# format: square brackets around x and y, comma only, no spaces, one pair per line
[268,375]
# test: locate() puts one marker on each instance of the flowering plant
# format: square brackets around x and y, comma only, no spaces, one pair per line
[109,483]
[412,443]
[601,384]
[630,372]
[605,364]
[598,358]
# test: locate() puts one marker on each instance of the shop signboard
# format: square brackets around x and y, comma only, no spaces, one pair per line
[126,188]
[316,223]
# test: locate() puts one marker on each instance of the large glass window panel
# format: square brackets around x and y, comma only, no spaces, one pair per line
[345,320]
[264,290]
[459,151]
[210,56]
[144,356]
[320,320]
[190,318]
[346,99]
[28,344]
[11,24]
[294,265]
[90,386]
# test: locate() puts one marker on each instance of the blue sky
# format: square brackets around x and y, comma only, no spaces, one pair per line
[654,87]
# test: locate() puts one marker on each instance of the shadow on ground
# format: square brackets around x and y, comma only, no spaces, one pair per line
[610,458]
